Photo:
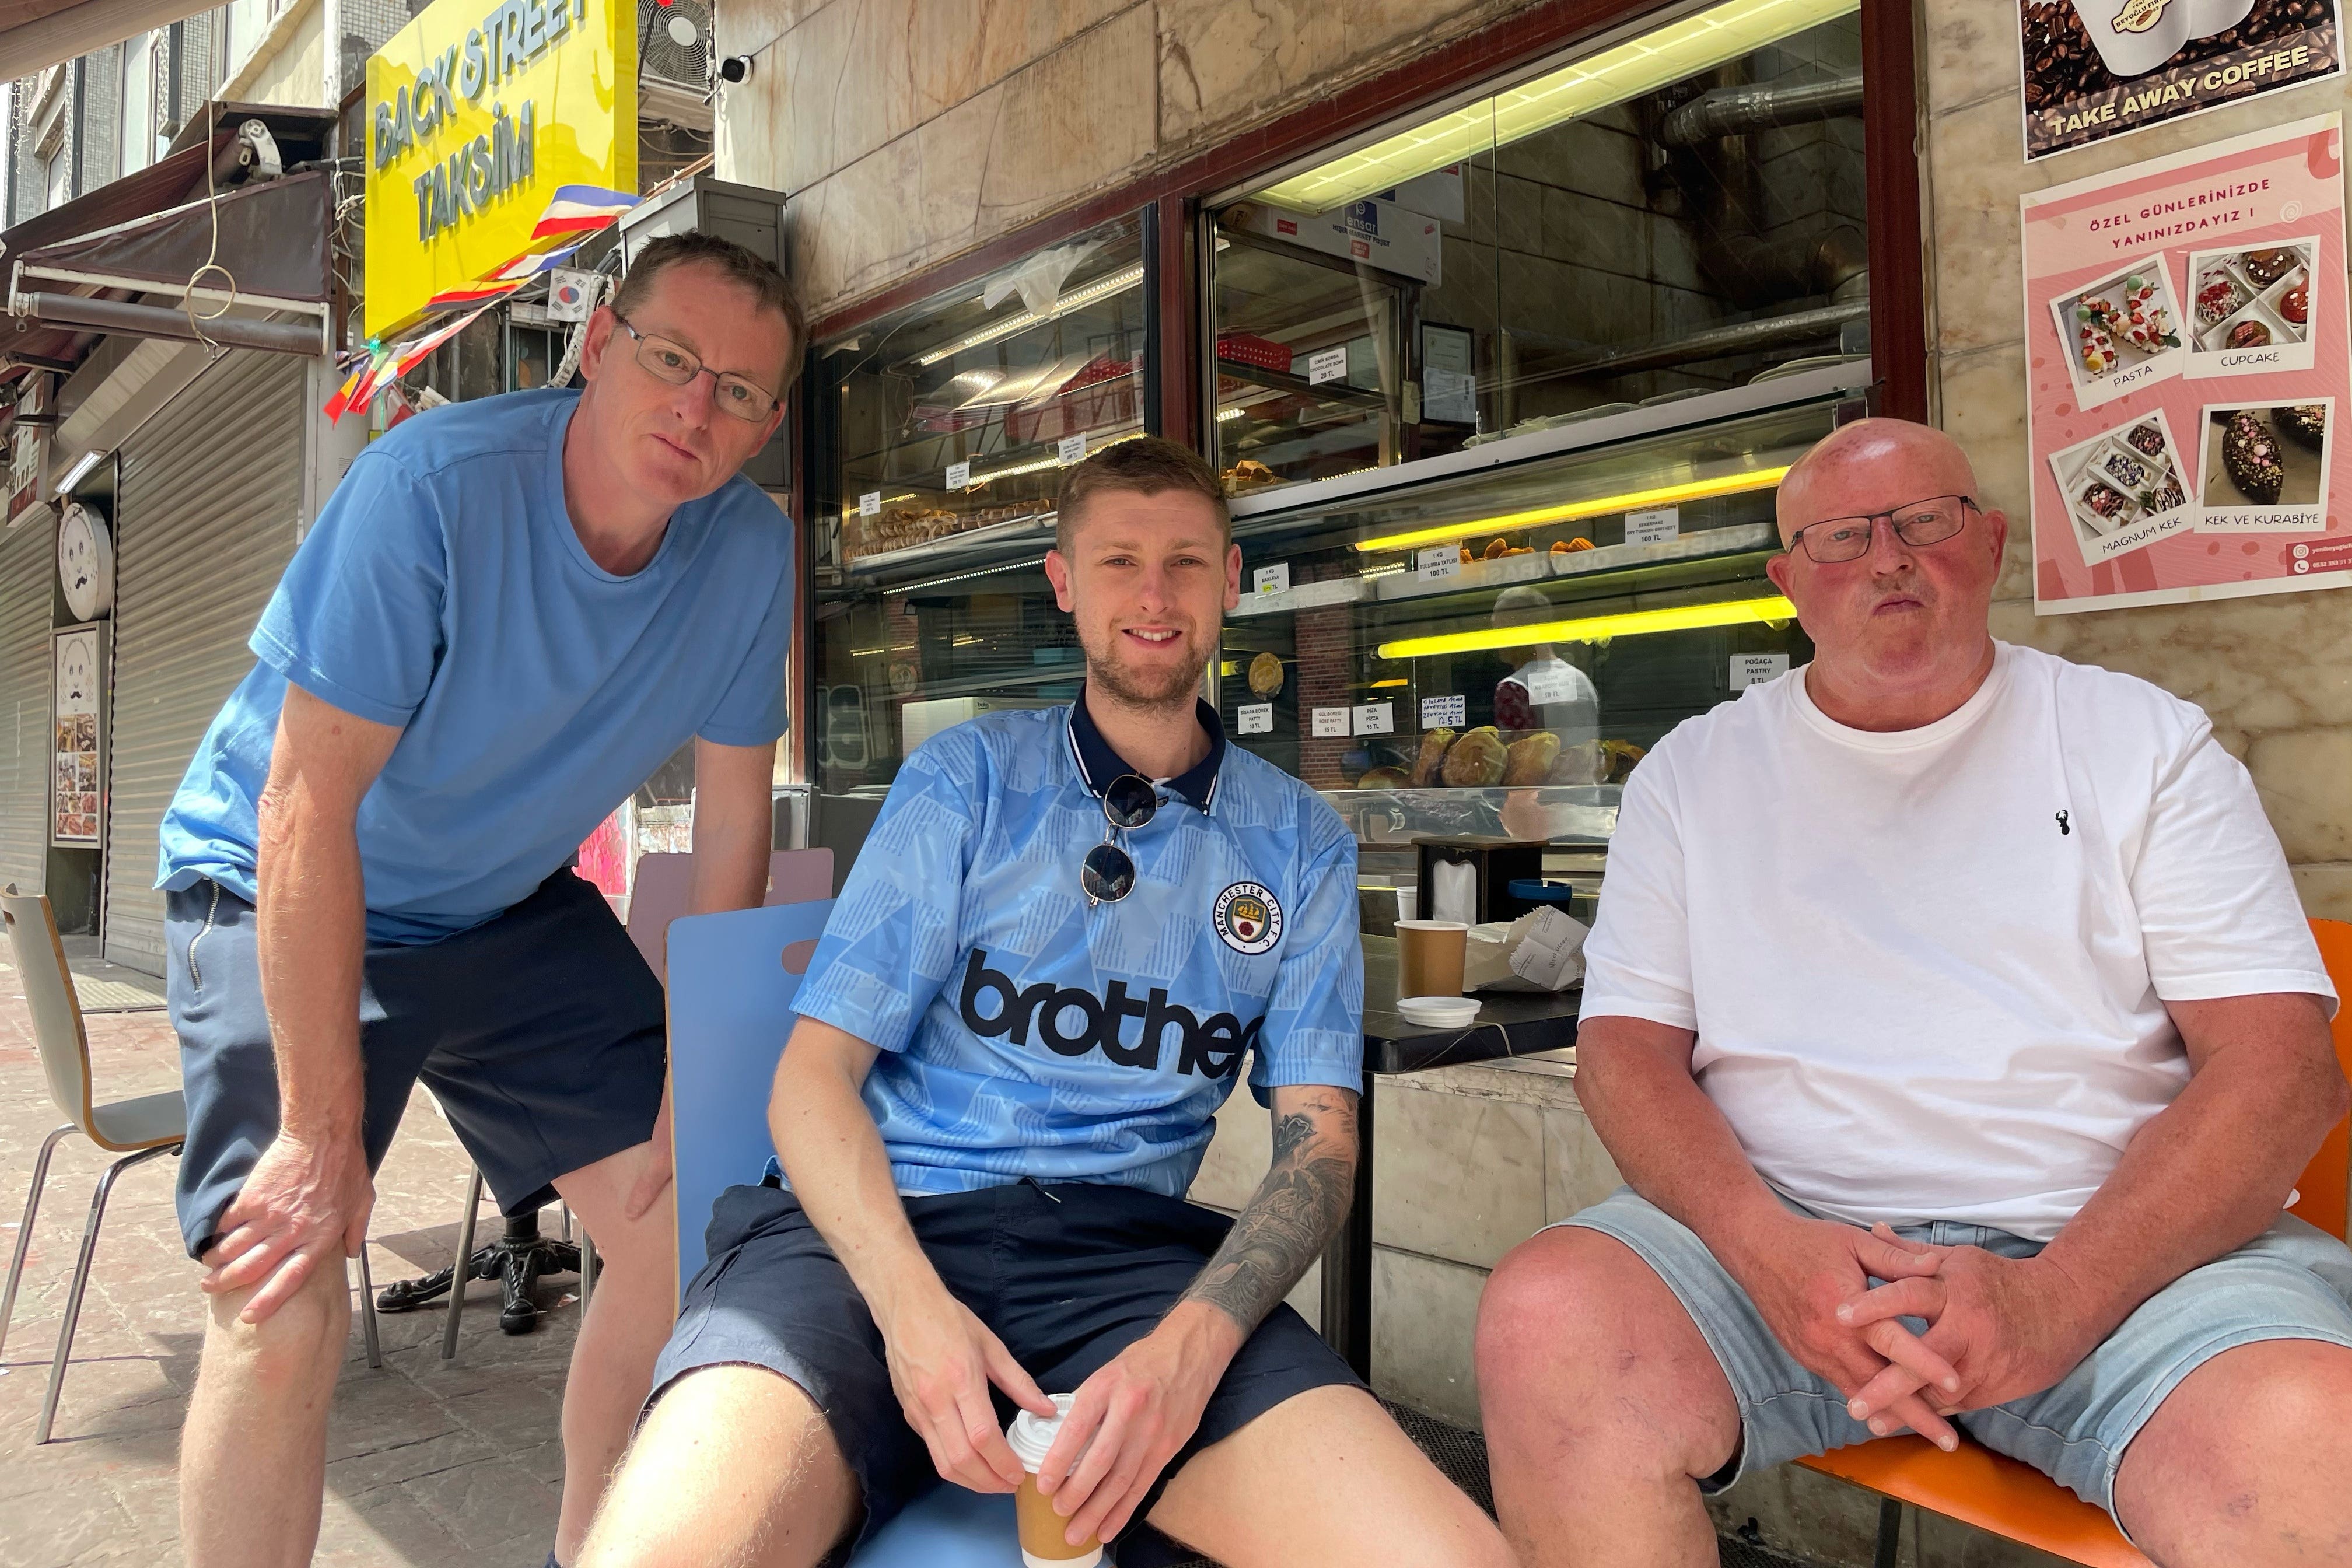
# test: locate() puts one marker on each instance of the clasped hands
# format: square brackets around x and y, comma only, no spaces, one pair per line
[1997,1329]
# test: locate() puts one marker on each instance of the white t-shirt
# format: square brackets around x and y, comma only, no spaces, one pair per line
[1928,969]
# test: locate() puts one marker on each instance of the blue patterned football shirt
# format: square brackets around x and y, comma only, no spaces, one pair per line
[1025,1033]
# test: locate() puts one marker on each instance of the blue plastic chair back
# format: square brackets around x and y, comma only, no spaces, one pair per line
[733,978]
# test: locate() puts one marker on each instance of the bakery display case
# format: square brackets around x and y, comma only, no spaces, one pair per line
[938,437]
[1491,649]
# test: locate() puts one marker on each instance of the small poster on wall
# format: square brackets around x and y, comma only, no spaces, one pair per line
[2186,357]
[77,752]
[2096,69]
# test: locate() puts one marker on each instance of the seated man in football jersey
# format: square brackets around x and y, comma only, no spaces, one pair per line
[1947,965]
[1067,930]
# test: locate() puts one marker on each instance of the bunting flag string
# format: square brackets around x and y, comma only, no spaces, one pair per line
[575,213]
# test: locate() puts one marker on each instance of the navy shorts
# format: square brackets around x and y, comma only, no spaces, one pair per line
[1068,1275]
[541,1033]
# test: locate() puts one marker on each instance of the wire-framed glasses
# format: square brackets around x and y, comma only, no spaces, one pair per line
[677,364]
[1922,523]
[1107,873]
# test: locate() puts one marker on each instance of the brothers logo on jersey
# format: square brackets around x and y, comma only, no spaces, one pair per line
[1211,1046]
[1247,918]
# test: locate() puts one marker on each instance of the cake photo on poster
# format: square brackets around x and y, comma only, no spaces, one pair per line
[2253,309]
[2123,487]
[2265,468]
[2121,332]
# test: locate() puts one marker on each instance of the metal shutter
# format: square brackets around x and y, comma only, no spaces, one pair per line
[28,564]
[211,501]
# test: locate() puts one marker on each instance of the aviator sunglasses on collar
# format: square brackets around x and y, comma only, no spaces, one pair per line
[1107,873]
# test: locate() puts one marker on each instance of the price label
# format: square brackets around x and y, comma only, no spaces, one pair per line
[1438,561]
[959,476]
[869,504]
[1071,449]
[1329,720]
[1443,712]
[1255,718]
[1654,527]
[1274,579]
[1551,681]
[1375,718]
[1329,364]
[1750,668]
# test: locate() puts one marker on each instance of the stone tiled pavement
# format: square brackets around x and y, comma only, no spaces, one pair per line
[428,1461]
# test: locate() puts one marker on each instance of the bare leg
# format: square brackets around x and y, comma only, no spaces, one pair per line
[1325,1478]
[2246,1462]
[253,1455]
[1602,1407]
[734,1468]
[627,1320]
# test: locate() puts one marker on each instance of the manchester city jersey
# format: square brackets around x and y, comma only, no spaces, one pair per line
[1025,1032]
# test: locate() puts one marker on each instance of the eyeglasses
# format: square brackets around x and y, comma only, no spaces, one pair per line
[1107,873]
[677,364]
[1923,523]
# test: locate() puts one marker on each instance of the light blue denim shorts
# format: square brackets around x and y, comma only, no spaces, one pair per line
[2291,1282]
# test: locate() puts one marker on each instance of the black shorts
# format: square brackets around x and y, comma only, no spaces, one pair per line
[541,1033]
[1068,1275]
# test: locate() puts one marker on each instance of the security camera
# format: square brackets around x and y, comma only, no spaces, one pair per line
[735,67]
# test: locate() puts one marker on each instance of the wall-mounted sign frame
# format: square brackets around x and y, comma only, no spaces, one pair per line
[79,665]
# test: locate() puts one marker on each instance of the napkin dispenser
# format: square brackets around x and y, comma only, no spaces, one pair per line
[1468,878]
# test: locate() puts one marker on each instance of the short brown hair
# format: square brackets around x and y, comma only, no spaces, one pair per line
[1144,465]
[745,269]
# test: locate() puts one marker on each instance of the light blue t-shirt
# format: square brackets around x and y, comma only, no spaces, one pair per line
[1026,1033]
[444,590]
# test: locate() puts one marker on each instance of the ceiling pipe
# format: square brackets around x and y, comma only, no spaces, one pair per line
[1734,110]
[305,338]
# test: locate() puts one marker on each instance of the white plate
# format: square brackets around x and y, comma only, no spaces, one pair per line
[1441,1012]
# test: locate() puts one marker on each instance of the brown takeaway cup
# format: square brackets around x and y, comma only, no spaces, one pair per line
[1042,1529]
[1429,957]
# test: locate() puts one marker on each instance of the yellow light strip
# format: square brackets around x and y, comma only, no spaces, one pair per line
[1641,65]
[1570,511]
[1631,623]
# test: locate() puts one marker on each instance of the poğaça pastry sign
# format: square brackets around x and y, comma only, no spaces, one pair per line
[476,111]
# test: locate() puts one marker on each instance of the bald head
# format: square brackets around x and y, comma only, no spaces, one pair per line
[1871,466]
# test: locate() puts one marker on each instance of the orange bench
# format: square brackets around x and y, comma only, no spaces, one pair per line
[2016,1502]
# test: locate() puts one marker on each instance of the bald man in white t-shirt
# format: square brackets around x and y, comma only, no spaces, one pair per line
[1945,963]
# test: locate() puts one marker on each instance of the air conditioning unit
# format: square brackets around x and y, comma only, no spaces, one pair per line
[674,64]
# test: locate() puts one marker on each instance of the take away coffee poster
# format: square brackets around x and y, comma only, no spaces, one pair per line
[2096,69]
[2186,367]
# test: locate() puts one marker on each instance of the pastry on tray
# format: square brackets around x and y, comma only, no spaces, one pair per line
[2267,266]
[2146,439]
[2218,296]
[1478,758]
[1266,675]
[2295,303]
[1382,778]
[2306,424]
[1529,760]
[2249,335]
[1425,765]
[2250,454]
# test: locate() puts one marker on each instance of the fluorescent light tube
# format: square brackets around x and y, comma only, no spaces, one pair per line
[1592,629]
[1570,511]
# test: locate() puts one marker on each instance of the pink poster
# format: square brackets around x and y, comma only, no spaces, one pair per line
[2186,362]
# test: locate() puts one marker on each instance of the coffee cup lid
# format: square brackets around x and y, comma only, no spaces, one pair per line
[1031,1435]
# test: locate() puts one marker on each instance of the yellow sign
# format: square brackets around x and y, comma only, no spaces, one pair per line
[478,111]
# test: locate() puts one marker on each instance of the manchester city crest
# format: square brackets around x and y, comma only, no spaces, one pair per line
[1247,918]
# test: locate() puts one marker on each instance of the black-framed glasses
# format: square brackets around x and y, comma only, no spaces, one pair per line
[1922,523]
[677,364]
[1107,873]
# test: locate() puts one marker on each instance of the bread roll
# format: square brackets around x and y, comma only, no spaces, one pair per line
[1477,758]
[1266,675]
[1529,761]
[1381,778]
[1433,753]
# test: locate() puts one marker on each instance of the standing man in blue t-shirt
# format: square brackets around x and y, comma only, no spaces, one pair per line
[508,615]
[1067,930]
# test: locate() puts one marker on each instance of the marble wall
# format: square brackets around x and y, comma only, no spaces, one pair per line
[910,131]
[2276,673]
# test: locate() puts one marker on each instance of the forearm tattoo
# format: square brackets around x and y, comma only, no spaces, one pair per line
[1293,1215]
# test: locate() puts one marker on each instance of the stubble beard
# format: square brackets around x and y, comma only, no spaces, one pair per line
[1159,690]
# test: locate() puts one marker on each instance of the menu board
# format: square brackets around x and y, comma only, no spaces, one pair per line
[2187,361]
[77,777]
[2096,69]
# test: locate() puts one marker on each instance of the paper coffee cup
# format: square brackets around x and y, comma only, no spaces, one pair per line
[1042,1529]
[1429,957]
[2135,36]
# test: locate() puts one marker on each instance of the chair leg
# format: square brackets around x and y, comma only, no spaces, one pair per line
[462,1270]
[81,1279]
[1890,1533]
[24,1231]
[587,1268]
[565,1209]
[367,1310]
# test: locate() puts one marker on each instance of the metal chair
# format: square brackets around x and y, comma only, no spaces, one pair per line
[2015,1501]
